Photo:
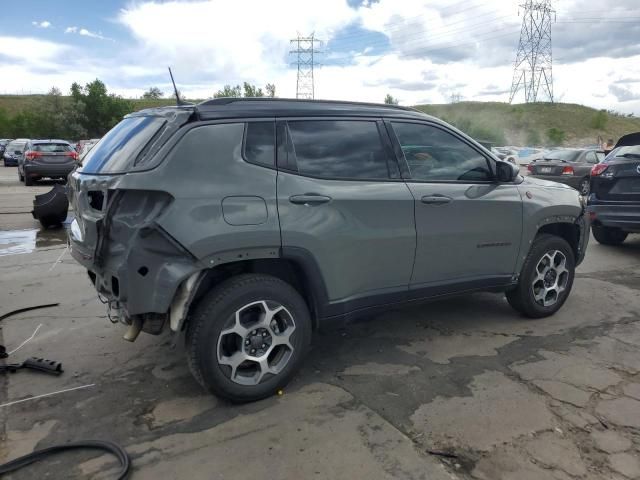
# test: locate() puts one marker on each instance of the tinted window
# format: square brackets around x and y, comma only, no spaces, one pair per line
[590,157]
[435,155]
[51,147]
[259,146]
[339,149]
[117,151]
[565,155]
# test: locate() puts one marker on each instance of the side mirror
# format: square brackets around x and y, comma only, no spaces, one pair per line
[506,172]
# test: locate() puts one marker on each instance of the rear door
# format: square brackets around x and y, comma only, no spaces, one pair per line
[468,225]
[343,205]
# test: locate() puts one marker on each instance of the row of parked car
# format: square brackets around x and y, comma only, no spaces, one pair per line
[611,184]
[37,159]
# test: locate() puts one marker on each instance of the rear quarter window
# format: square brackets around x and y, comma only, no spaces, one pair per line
[118,150]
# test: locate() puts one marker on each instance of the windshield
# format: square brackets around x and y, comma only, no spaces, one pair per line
[117,151]
[562,155]
[51,147]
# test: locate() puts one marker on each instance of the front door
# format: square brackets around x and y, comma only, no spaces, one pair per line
[468,225]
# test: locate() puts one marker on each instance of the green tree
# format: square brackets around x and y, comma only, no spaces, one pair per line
[390,100]
[555,136]
[599,120]
[252,91]
[247,90]
[271,90]
[229,91]
[153,93]
[101,109]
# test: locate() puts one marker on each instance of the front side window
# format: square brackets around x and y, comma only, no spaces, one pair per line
[340,149]
[433,154]
[259,144]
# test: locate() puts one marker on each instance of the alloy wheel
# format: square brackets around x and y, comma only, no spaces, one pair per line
[257,344]
[551,278]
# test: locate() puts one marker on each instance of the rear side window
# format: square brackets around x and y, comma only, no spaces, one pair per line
[341,149]
[435,155]
[117,151]
[259,143]
[51,147]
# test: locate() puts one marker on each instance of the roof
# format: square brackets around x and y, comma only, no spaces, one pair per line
[48,140]
[285,107]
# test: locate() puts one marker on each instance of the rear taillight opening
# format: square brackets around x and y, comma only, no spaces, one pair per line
[599,169]
[72,154]
[30,155]
[567,171]
[530,167]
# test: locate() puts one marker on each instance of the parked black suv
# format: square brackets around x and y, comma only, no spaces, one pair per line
[247,224]
[614,202]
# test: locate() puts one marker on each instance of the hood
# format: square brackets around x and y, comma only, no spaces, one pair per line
[538,182]
[629,140]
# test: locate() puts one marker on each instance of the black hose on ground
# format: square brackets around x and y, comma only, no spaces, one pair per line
[110,447]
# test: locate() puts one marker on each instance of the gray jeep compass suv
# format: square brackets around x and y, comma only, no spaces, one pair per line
[246,224]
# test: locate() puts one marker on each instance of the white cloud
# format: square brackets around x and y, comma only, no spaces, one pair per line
[85,33]
[31,49]
[427,50]
[42,24]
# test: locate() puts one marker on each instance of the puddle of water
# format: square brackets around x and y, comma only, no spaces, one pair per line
[15,242]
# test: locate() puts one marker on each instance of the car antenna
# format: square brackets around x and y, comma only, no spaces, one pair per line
[175,89]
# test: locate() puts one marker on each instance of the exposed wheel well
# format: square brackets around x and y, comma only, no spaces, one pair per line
[568,231]
[284,269]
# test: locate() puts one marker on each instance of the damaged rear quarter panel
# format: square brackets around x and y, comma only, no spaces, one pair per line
[196,173]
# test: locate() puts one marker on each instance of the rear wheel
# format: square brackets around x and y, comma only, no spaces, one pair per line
[248,337]
[609,235]
[20,176]
[28,181]
[546,278]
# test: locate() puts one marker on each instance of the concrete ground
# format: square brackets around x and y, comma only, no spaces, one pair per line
[456,389]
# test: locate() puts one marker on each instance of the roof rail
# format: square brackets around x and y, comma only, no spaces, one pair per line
[229,100]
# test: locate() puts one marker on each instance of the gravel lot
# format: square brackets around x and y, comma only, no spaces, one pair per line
[456,389]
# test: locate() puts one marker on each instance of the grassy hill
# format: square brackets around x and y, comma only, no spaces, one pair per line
[526,124]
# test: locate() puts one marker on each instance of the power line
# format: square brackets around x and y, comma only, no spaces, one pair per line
[533,65]
[305,50]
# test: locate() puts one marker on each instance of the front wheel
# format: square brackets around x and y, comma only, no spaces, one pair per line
[609,235]
[248,337]
[546,278]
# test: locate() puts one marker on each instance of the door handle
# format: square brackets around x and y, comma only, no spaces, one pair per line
[435,199]
[309,199]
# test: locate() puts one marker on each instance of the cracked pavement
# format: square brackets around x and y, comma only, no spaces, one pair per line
[456,389]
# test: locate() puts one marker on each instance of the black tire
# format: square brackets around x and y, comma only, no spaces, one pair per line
[28,181]
[522,297]
[216,311]
[609,235]
[20,176]
[584,186]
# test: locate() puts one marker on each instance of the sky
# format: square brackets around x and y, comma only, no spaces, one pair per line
[416,50]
